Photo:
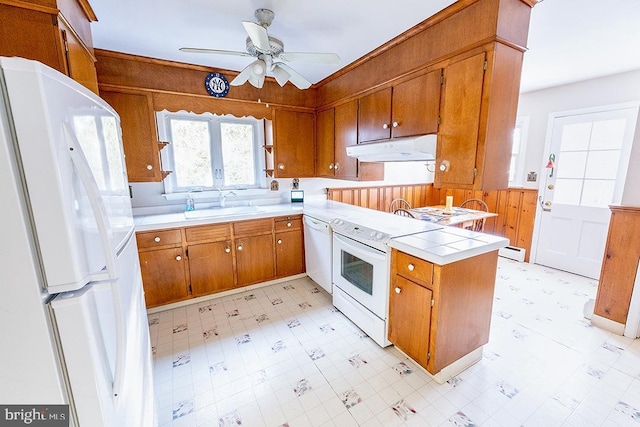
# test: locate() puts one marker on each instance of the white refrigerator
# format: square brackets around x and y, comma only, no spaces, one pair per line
[73,323]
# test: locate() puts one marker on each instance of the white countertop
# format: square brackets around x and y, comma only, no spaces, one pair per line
[439,246]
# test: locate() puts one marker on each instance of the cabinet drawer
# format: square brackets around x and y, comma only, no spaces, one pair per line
[413,268]
[253,227]
[288,224]
[150,239]
[213,232]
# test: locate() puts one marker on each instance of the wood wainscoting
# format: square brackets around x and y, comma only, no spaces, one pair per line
[516,207]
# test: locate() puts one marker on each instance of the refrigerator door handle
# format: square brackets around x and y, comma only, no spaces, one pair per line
[93,193]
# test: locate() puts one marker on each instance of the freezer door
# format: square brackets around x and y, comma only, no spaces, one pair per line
[96,353]
[49,113]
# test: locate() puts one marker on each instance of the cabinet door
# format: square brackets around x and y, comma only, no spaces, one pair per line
[254,259]
[80,63]
[374,120]
[294,144]
[416,105]
[325,143]
[289,253]
[139,137]
[346,133]
[211,267]
[410,318]
[460,122]
[163,276]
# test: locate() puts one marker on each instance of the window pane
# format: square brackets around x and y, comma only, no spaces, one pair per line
[515,147]
[575,137]
[512,168]
[572,164]
[192,155]
[598,193]
[608,134]
[603,164]
[238,154]
[567,191]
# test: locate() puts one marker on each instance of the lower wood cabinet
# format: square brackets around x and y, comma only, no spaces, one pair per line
[211,267]
[289,247]
[163,276]
[187,262]
[439,314]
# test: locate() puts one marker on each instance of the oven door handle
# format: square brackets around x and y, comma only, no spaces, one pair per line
[363,252]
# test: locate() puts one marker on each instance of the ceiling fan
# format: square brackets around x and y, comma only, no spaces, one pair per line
[270,54]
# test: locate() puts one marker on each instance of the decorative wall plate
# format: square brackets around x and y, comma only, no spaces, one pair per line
[217,85]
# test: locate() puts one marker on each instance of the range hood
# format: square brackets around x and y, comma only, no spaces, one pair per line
[417,148]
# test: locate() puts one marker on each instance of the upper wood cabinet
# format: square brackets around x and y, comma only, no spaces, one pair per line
[139,134]
[294,144]
[478,113]
[337,128]
[58,37]
[408,108]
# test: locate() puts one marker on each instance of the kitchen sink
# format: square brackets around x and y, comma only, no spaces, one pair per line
[217,212]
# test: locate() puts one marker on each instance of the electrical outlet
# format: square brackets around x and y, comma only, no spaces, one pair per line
[532,177]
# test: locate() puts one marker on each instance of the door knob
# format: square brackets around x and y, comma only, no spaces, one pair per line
[331,166]
[157,239]
[385,126]
[239,247]
[398,290]
[279,241]
[547,203]
[551,187]
[178,258]
[227,250]
[395,124]
[411,267]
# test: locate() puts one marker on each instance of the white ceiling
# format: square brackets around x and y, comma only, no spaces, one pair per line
[569,40]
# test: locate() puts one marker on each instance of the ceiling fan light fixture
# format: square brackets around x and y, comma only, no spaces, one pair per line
[281,75]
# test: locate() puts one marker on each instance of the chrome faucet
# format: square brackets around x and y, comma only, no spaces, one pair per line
[223,196]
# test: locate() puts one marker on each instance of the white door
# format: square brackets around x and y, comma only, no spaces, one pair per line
[588,159]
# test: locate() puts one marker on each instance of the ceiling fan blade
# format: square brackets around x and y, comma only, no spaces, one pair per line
[257,80]
[258,35]
[316,58]
[216,51]
[295,78]
[281,75]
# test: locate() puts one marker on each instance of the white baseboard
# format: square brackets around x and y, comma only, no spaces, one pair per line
[513,252]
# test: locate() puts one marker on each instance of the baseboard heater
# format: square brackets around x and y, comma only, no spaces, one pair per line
[513,252]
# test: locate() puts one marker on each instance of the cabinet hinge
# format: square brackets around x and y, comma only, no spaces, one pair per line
[441,79]
[475,172]
[484,67]
[439,120]
[432,302]
[428,355]
[186,252]
[190,289]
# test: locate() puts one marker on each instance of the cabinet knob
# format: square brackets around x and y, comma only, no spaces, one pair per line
[239,247]
[178,258]
[149,167]
[385,126]
[395,124]
[279,241]
[227,250]
[289,224]
[281,166]
[444,165]
[157,239]
[331,166]
[398,290]
[337,166]
[411,267]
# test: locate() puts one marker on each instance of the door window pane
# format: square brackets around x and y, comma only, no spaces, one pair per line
[602,164]
[358,272]
[575,137]
[567,191]
[608,134]
[597,193]
[572,164]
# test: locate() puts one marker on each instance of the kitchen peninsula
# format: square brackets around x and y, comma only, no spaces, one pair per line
[439,283]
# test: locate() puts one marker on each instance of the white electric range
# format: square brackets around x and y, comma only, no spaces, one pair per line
[361,266]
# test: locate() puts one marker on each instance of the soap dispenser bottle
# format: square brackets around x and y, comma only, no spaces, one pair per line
[191,206]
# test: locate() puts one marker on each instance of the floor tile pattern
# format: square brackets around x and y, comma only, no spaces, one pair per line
[282,355]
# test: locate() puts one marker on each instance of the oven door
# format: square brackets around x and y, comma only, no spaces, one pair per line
[362,272]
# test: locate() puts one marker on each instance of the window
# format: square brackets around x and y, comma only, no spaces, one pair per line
[516,167]
[207,151]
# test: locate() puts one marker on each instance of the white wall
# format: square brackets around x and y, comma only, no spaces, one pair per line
[610,90]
